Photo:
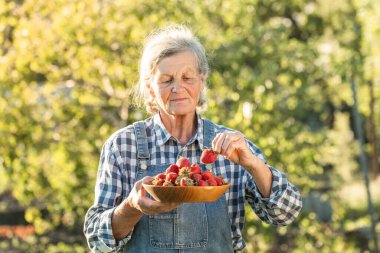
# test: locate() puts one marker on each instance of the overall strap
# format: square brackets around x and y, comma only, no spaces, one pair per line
[208,133]
[142,144]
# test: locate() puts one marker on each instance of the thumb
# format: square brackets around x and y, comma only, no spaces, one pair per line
[142,191]
[145,180]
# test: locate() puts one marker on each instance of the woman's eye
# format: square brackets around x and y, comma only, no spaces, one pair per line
[166,81]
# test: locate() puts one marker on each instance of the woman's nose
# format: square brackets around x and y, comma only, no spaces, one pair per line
[176,85]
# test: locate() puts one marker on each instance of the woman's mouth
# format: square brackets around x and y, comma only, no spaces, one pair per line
[178,99]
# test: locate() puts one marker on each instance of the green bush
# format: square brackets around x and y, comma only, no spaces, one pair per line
[280,74]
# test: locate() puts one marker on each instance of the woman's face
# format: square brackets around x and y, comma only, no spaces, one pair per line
[176,84]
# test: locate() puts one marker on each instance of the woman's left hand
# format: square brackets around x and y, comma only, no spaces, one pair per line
[233,146]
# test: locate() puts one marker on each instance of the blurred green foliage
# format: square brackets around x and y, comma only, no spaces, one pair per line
[280,74]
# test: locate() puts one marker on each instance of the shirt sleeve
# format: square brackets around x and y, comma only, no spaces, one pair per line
[108,194]
[284,203]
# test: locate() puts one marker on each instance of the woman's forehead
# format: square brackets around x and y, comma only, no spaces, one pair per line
[180,62]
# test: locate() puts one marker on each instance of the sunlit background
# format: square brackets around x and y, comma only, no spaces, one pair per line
[282,72]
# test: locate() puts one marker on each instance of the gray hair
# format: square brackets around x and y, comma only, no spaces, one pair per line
[164,43]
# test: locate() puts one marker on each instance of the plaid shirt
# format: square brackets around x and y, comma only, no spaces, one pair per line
[117,175]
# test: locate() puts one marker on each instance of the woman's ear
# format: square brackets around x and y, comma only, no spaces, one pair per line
[151,91]
[202,79]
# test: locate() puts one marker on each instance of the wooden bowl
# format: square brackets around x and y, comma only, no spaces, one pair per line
[186,193]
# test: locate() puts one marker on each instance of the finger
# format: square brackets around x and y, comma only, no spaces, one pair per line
[142,200]
[215,141]
[142,192]
[147,179]
[218,142]
[139,189]
[148,206]
[156,207]
[138,185]
[230,149]
[228,139]
[161,207]
[173,205]
[225,144]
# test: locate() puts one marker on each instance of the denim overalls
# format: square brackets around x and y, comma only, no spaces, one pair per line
[191,227]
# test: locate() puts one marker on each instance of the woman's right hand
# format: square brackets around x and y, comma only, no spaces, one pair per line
[130,211]
[139,201]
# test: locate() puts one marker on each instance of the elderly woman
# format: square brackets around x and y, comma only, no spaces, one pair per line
[173,76]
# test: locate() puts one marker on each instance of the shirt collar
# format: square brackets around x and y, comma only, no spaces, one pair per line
[162,135]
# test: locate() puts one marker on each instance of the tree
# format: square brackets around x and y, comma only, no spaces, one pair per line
[279,75]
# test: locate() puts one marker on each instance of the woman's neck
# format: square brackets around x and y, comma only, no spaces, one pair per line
[180,127]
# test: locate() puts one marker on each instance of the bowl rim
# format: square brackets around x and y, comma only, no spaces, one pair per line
[184,187]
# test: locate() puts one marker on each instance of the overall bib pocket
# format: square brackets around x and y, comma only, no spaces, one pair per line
[183,227]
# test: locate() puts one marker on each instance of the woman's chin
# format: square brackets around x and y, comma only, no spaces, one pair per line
[180,111]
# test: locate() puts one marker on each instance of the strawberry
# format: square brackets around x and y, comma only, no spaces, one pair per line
[185,181]
[161,176]
[160,183]
[196,177]
[183,162]
[219,180]
[208,156]
[195,169]
[184,171]
[172,168]
[202,183]
[157,181]
[212,182]
[171,177]
[206,175]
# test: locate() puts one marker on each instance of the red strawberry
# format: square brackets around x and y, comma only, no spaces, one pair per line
[172,168]
[183,162]
[208,156]
[196,177]
[160,183]
[202,183]
[157,181]
[212,182]
[171,177]
[195,169]
[185,181]
[206,175]
[185,172]
[219,180]
[161,176]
